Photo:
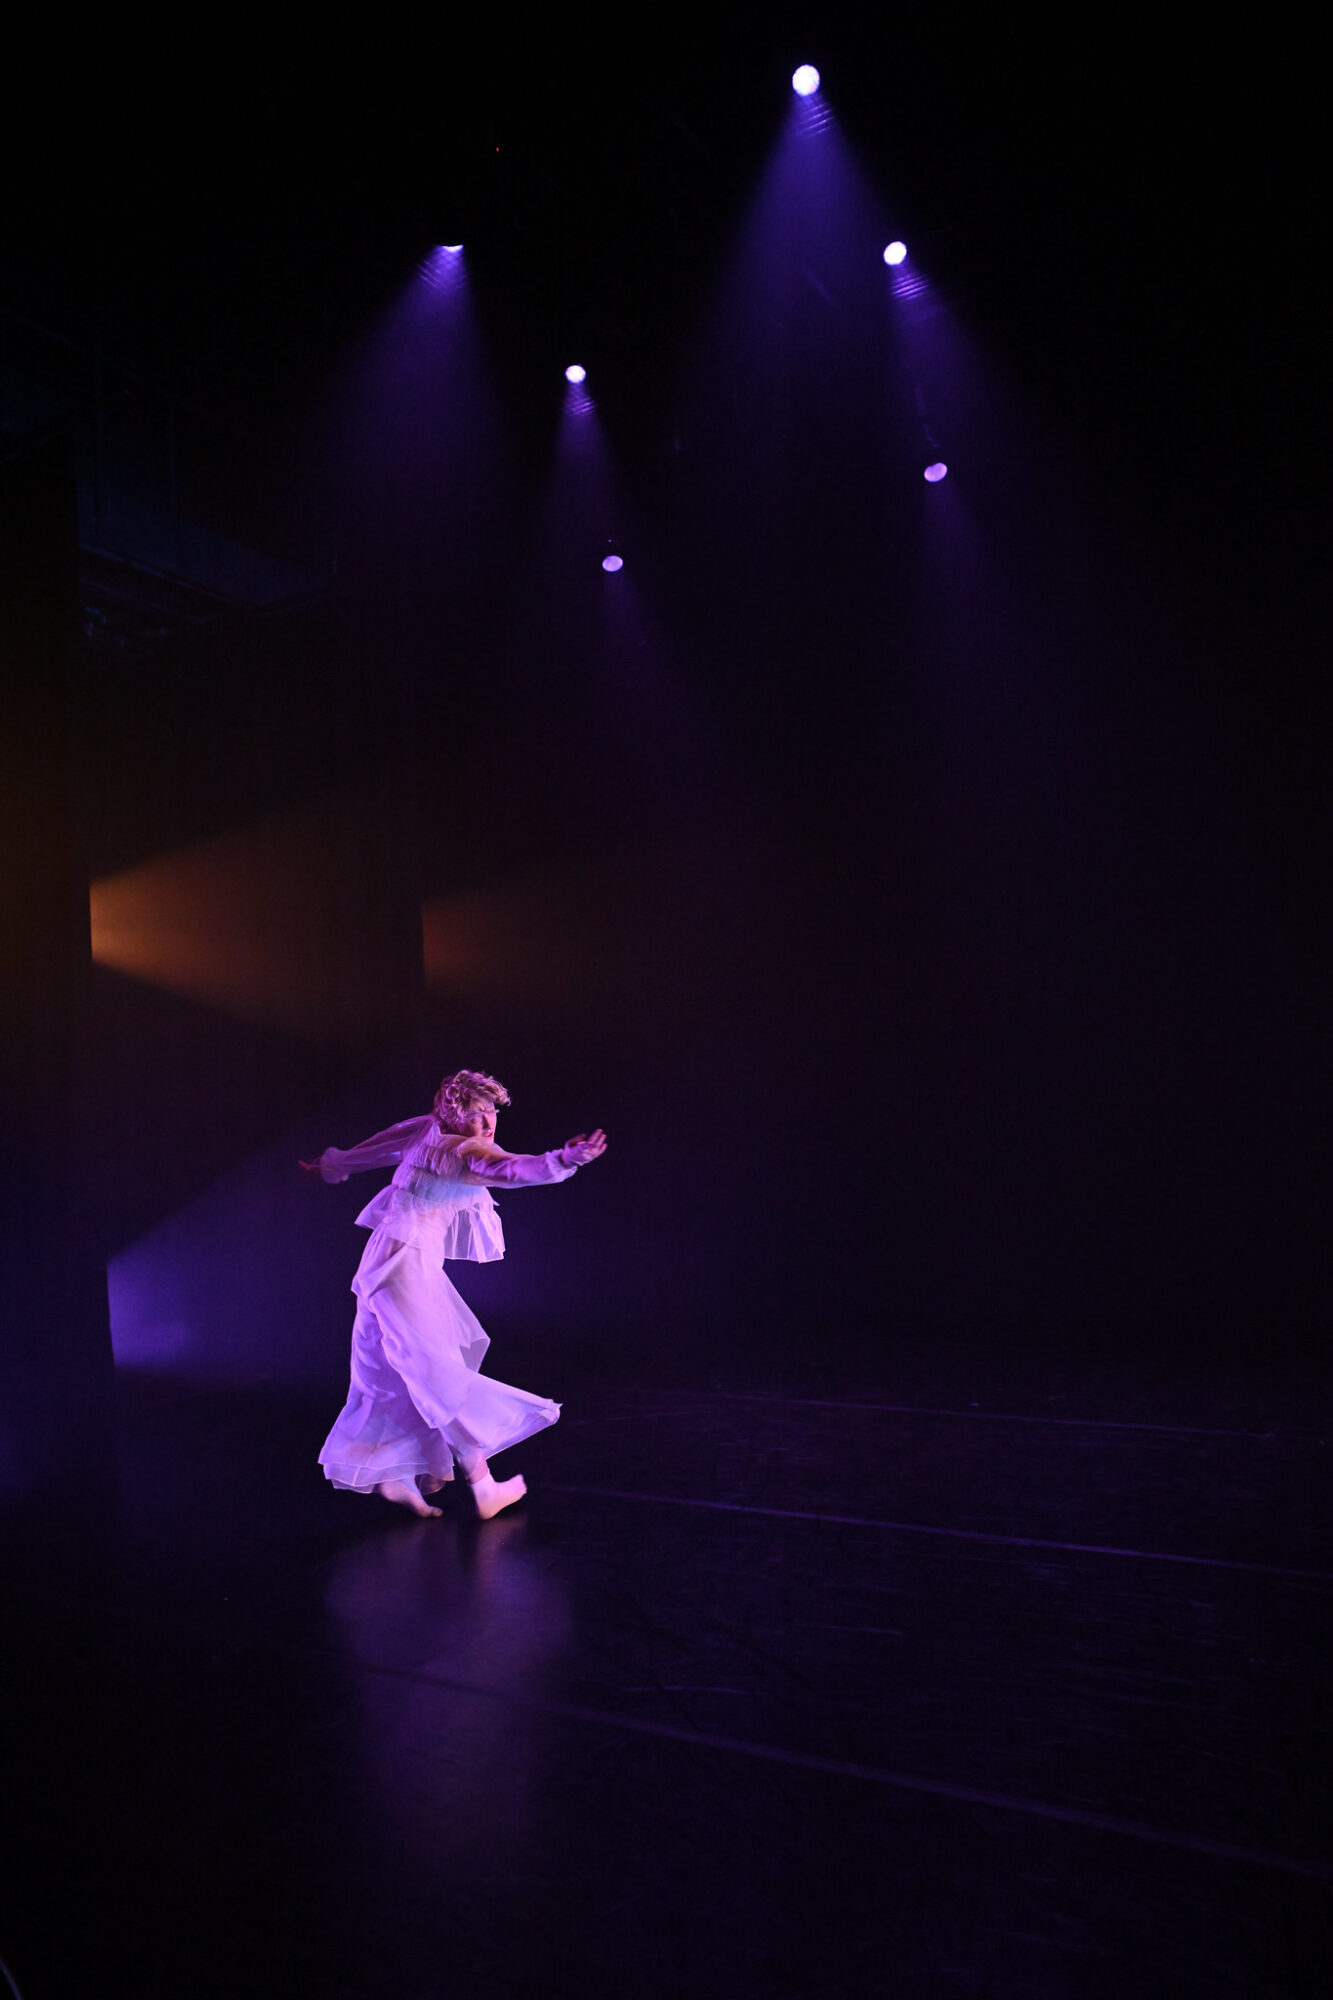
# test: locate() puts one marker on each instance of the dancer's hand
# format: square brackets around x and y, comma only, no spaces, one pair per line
[588,1146]
[311,1167]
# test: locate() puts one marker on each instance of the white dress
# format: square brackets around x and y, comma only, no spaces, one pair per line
[417,1399]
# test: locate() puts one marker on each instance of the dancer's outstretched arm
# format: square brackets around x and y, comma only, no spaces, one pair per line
[495,1168]
[384,1149]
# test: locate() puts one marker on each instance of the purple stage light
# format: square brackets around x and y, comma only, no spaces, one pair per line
[894,252]
[575,374]
[934,473]
[612,563]
[445,269]
[805,80]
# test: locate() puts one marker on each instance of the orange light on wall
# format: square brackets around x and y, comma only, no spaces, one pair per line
[288,924]
[634,941]
[529,945]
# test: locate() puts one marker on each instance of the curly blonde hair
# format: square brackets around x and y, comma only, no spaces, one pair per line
[466,1091]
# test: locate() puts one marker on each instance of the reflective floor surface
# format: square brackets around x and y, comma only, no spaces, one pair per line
[986,1681]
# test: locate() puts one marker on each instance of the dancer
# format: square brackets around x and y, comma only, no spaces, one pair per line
[417,1402]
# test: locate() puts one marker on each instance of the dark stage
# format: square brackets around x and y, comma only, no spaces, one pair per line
[790,626]
[1006,1683]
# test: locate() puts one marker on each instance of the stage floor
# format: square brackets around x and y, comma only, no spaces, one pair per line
[992,1681]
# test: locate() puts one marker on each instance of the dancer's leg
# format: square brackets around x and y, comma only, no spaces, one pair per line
[382,1441]
[406,1493]
[491,1495]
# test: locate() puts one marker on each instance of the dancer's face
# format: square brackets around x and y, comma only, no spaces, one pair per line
[480,1124]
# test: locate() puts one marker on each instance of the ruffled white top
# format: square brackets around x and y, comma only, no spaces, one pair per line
[438,1201]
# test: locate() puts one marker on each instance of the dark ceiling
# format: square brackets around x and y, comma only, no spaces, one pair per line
[1126,206]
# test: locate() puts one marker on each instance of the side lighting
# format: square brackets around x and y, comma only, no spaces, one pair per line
[575,374]
[934,473]
[894,252]
[805,80]
[612,563]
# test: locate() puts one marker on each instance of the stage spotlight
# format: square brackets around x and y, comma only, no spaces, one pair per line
[934,473]
[894,253]
[612,563]
[805,80]
[575,374]
[451,249]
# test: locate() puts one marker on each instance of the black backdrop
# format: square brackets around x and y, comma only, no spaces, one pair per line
[953,977]
[930,904]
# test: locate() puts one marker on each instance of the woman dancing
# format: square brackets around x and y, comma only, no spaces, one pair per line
[417,1403]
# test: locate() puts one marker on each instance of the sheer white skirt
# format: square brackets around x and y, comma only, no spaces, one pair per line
[417,1400]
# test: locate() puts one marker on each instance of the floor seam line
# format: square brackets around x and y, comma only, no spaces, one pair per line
[951,1534]
[993,1416]
[809,1760]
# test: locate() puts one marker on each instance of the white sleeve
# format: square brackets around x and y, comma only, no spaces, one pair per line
[385,1149]
[497,1169]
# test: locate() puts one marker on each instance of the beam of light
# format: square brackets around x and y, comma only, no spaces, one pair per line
[410,439]
[183,1303]
[612,563]
[540,943]
[907,282]
[805,80]
[444,270]
[262,923]
[575,373]
[934,473]
[558,942]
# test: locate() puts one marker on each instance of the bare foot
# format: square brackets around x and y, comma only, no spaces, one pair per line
[491,1495]
[429,1482]
[406,1495]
